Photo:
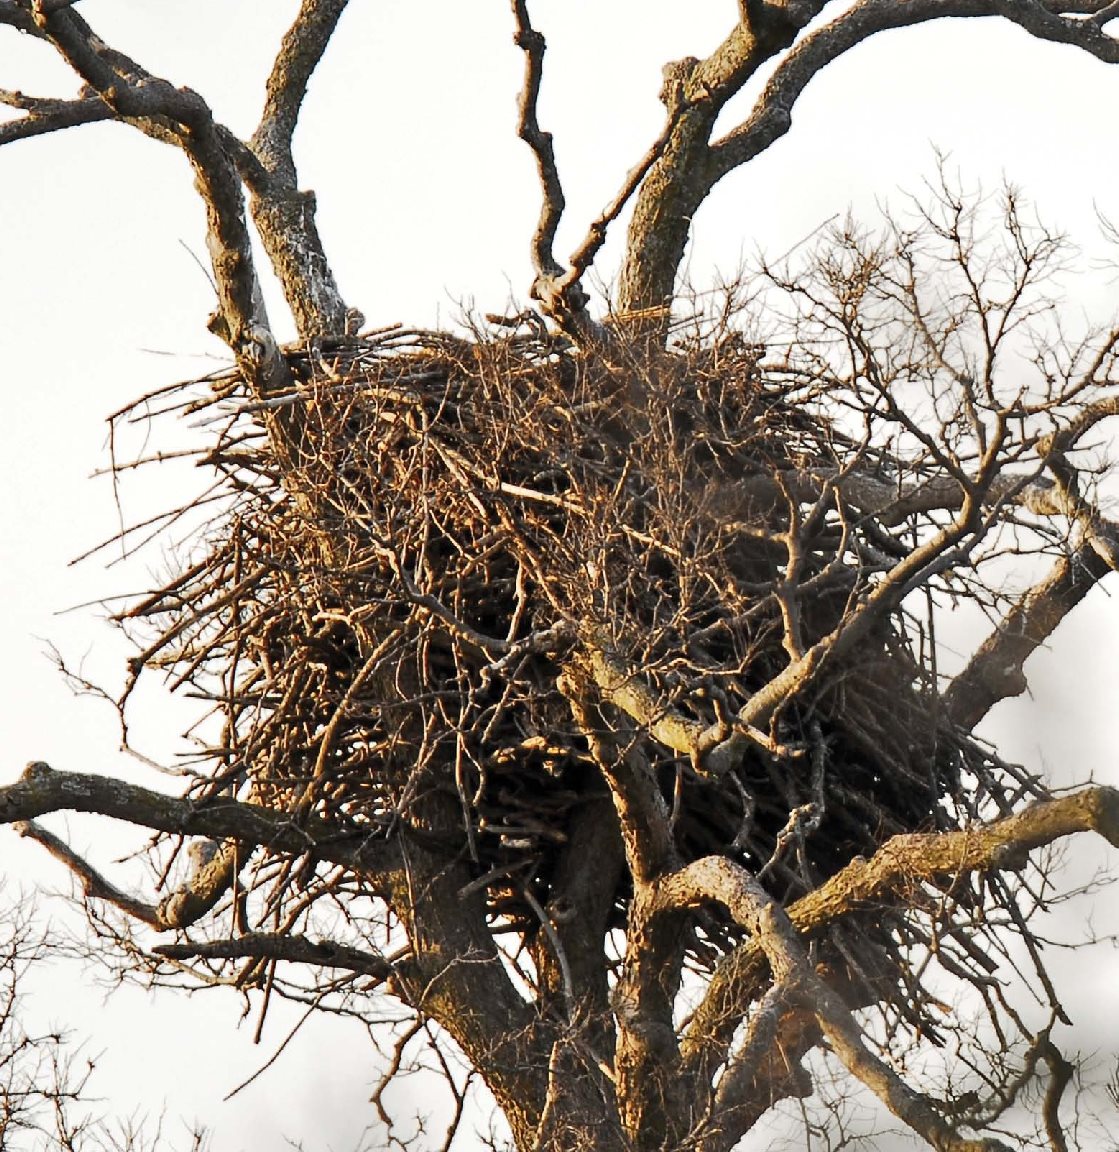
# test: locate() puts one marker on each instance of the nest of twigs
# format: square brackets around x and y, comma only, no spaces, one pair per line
[385,609]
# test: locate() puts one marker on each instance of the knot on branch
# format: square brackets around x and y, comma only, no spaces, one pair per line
[213,868]
[37,770]
[778,22]
[676,74]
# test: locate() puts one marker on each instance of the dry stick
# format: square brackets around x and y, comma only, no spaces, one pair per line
[533,45]
[583,256]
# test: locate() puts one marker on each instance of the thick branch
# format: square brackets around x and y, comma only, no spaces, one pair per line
[763,1071]
[694,94]
[715,878]
[300,52]
[772,114]
[181,116]
[936,858]
[17,16]
[41,790]
[642,813]
[915,1109]
[996,670]
[452,973]
[690,166]
[285,215]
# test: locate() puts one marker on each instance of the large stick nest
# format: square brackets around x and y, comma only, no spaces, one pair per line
[383,616]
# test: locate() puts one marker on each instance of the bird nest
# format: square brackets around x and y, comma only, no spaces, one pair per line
[426,534]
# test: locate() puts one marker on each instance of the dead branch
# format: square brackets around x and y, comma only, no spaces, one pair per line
[300,54]
[996,670]
[49,115]
[292,949]
[213,873]
[41,790]
[532,44]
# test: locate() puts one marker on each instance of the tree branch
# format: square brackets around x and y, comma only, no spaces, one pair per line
[285,215]
[690,166]
[180,116]
[714,878]
[48,115]
[938,858]
[996,670]
[772,114]
[642,814]
[532,44]
[213,872]
[560,293]
[17,16]
[94,885]
[41,790]
[290,948]
[765,1069]
[694,93]
[300,52]
[452,973]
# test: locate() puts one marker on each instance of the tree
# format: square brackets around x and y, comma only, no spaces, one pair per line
[575,678]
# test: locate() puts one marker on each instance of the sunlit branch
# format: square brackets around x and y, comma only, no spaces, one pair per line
[765,1069]
[902,862]
[641,810]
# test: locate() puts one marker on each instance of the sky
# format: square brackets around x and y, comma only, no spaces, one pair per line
[426,205]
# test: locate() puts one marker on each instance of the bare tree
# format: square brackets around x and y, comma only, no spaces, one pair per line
[575,680]
[45,1096]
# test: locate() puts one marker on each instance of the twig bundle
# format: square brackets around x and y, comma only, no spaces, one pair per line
[386,621]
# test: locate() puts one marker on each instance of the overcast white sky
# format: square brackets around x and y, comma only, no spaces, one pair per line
[426,204]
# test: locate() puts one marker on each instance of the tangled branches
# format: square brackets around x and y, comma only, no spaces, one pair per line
[393,623]
[520,641]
